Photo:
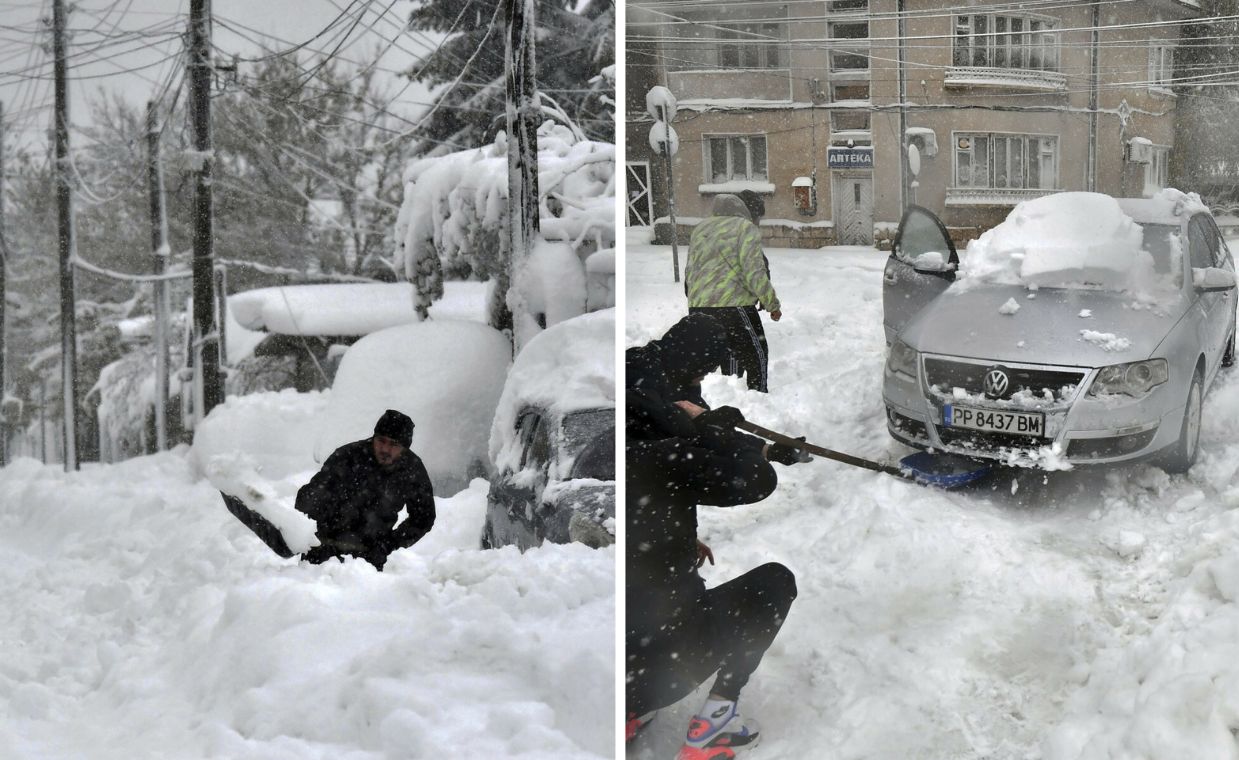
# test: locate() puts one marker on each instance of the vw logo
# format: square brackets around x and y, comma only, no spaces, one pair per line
[996,382]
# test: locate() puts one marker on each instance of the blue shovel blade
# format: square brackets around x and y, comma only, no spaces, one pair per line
[943,470]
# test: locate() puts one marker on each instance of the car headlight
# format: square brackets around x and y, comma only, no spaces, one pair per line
[902,359]
[1134,379]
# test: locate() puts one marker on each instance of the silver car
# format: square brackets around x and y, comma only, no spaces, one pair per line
[963,376]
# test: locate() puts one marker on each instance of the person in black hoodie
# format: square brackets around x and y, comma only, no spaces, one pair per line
[357,496]
[680,455]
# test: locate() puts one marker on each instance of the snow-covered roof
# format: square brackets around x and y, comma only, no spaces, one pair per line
[348,309]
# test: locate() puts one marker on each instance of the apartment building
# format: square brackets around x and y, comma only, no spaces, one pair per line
[841,112]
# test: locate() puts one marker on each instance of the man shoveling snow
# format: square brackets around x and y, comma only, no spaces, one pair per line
[355,500]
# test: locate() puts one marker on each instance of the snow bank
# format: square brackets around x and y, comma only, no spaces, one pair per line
[565,368]
[141,620]
[1173,693]
[446,375]
[1072,237]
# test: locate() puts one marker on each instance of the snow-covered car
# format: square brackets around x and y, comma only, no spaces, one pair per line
[1083,329]
[553,440]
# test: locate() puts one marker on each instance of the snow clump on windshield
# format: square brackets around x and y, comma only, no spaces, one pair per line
[1060,239]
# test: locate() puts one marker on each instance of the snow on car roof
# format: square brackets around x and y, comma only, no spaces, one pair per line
[1069,237]
[567,367]
[352,309]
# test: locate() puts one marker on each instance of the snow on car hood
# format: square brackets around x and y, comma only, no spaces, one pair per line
[1071,237]
[1086,328]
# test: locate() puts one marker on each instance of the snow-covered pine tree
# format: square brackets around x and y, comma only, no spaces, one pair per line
[576,41]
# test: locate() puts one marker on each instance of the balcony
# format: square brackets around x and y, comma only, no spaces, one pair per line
[1008,79]
[993,196]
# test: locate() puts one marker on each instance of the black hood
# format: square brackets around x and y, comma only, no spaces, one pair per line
[693,347]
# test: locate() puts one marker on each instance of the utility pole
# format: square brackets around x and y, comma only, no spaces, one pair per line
[903,111]
[206,335]
[159,247]
[1090,183]
[4,265]
[64,204]
[522,122]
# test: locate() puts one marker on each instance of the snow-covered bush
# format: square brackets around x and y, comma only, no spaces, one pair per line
[455,208]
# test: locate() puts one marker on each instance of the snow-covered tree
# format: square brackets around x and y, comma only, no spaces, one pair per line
[576,41]
[455,209]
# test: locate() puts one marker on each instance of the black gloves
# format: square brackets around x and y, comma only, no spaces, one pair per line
[784,454]
[716,428]
[726,417]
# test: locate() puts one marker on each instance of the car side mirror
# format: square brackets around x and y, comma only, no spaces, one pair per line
[1209,279]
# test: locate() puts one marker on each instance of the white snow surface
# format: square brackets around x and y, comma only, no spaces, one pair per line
[565,368]
[1072,237]
[142,621]
[446,375]
[349,309]
[1075,615]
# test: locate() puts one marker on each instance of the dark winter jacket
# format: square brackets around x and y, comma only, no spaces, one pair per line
[666,480]
[665,370]
[356,503]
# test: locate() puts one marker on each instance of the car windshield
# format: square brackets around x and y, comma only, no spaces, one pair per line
[581,427]
[1075,240]
[1162,242]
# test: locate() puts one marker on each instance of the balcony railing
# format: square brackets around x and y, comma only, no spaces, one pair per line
[993,76]
[992,196]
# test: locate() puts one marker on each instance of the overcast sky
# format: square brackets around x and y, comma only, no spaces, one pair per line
[100,51]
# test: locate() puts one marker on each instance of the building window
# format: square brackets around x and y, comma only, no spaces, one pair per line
[736,157]
[1006,161]
[1161,66]
[1157,171]
[851,119]
[847,6]
[752,46]
[992,40]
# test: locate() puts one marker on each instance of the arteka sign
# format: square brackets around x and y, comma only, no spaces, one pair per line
[849,158]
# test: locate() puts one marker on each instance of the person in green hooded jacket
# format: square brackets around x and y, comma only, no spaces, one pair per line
[728,277]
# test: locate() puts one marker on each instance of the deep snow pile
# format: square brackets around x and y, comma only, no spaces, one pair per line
[142,621]
[446,375]
[1071,615]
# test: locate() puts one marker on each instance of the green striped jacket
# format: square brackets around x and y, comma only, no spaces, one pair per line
[726,266]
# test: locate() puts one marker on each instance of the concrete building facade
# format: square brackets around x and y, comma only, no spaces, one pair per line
[814,105]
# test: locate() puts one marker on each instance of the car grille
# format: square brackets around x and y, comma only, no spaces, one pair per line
[984,441]
[947,374]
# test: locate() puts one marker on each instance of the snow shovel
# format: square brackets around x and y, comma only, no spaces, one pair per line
[941,470]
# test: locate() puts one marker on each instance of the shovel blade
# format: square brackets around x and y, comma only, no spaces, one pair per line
[944,470]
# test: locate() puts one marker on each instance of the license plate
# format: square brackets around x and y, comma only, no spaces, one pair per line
[1015,423]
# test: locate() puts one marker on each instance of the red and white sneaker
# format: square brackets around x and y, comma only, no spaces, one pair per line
[636,723]
[716,732]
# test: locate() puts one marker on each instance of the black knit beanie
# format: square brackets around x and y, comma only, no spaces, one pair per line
[396,426]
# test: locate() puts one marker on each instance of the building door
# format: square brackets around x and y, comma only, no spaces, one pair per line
[640,207]
[853,202]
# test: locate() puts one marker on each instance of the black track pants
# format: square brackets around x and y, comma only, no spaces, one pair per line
[747,340]
[728,632]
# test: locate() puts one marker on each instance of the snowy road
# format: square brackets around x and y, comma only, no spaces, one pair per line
[1086,614]
[141,621]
